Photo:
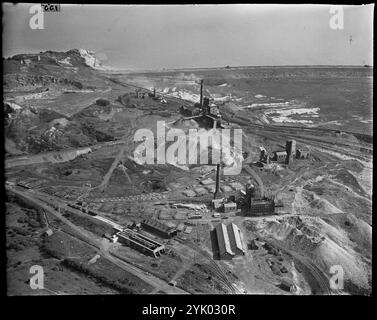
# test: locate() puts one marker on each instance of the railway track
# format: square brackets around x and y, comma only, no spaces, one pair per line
[222,276]
[329,146]
[312,138]
[318,281]
[363,137]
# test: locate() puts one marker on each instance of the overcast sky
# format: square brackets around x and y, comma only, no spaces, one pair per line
[153,37]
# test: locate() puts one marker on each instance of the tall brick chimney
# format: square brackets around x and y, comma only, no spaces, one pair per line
[217,191]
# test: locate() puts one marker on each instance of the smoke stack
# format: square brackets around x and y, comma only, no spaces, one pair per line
[201,93]
[217,180]
[290,148]
[250,193]
[154,92]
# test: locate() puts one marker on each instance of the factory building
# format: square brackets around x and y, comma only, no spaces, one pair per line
[302,153]
[229,241]
[280,156]
[229,207]
[214,110]
[257,204]
[140,242]
[210,109]
[158,228]
[261,207]
[217,203]
[291,152]
[206,114]
[252,192]
[141,94]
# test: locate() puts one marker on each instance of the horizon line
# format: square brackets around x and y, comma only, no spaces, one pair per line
[163,69]
[226,67]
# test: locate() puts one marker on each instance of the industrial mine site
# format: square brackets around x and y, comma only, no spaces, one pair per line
[81,204]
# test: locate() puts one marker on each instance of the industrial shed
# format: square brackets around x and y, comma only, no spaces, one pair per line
[229,241]
[223,241]
[141,242]
[235,237]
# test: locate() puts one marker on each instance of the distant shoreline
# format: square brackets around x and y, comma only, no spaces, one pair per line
[113,69]
[239,68]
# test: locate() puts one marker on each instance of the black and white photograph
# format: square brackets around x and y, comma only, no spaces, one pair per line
[208,149]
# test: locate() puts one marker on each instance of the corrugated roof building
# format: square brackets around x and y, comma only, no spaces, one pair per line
[236,239]
[223,241]
[229,240]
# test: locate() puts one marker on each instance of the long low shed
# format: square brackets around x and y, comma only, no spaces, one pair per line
[229,241]
[141,242]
